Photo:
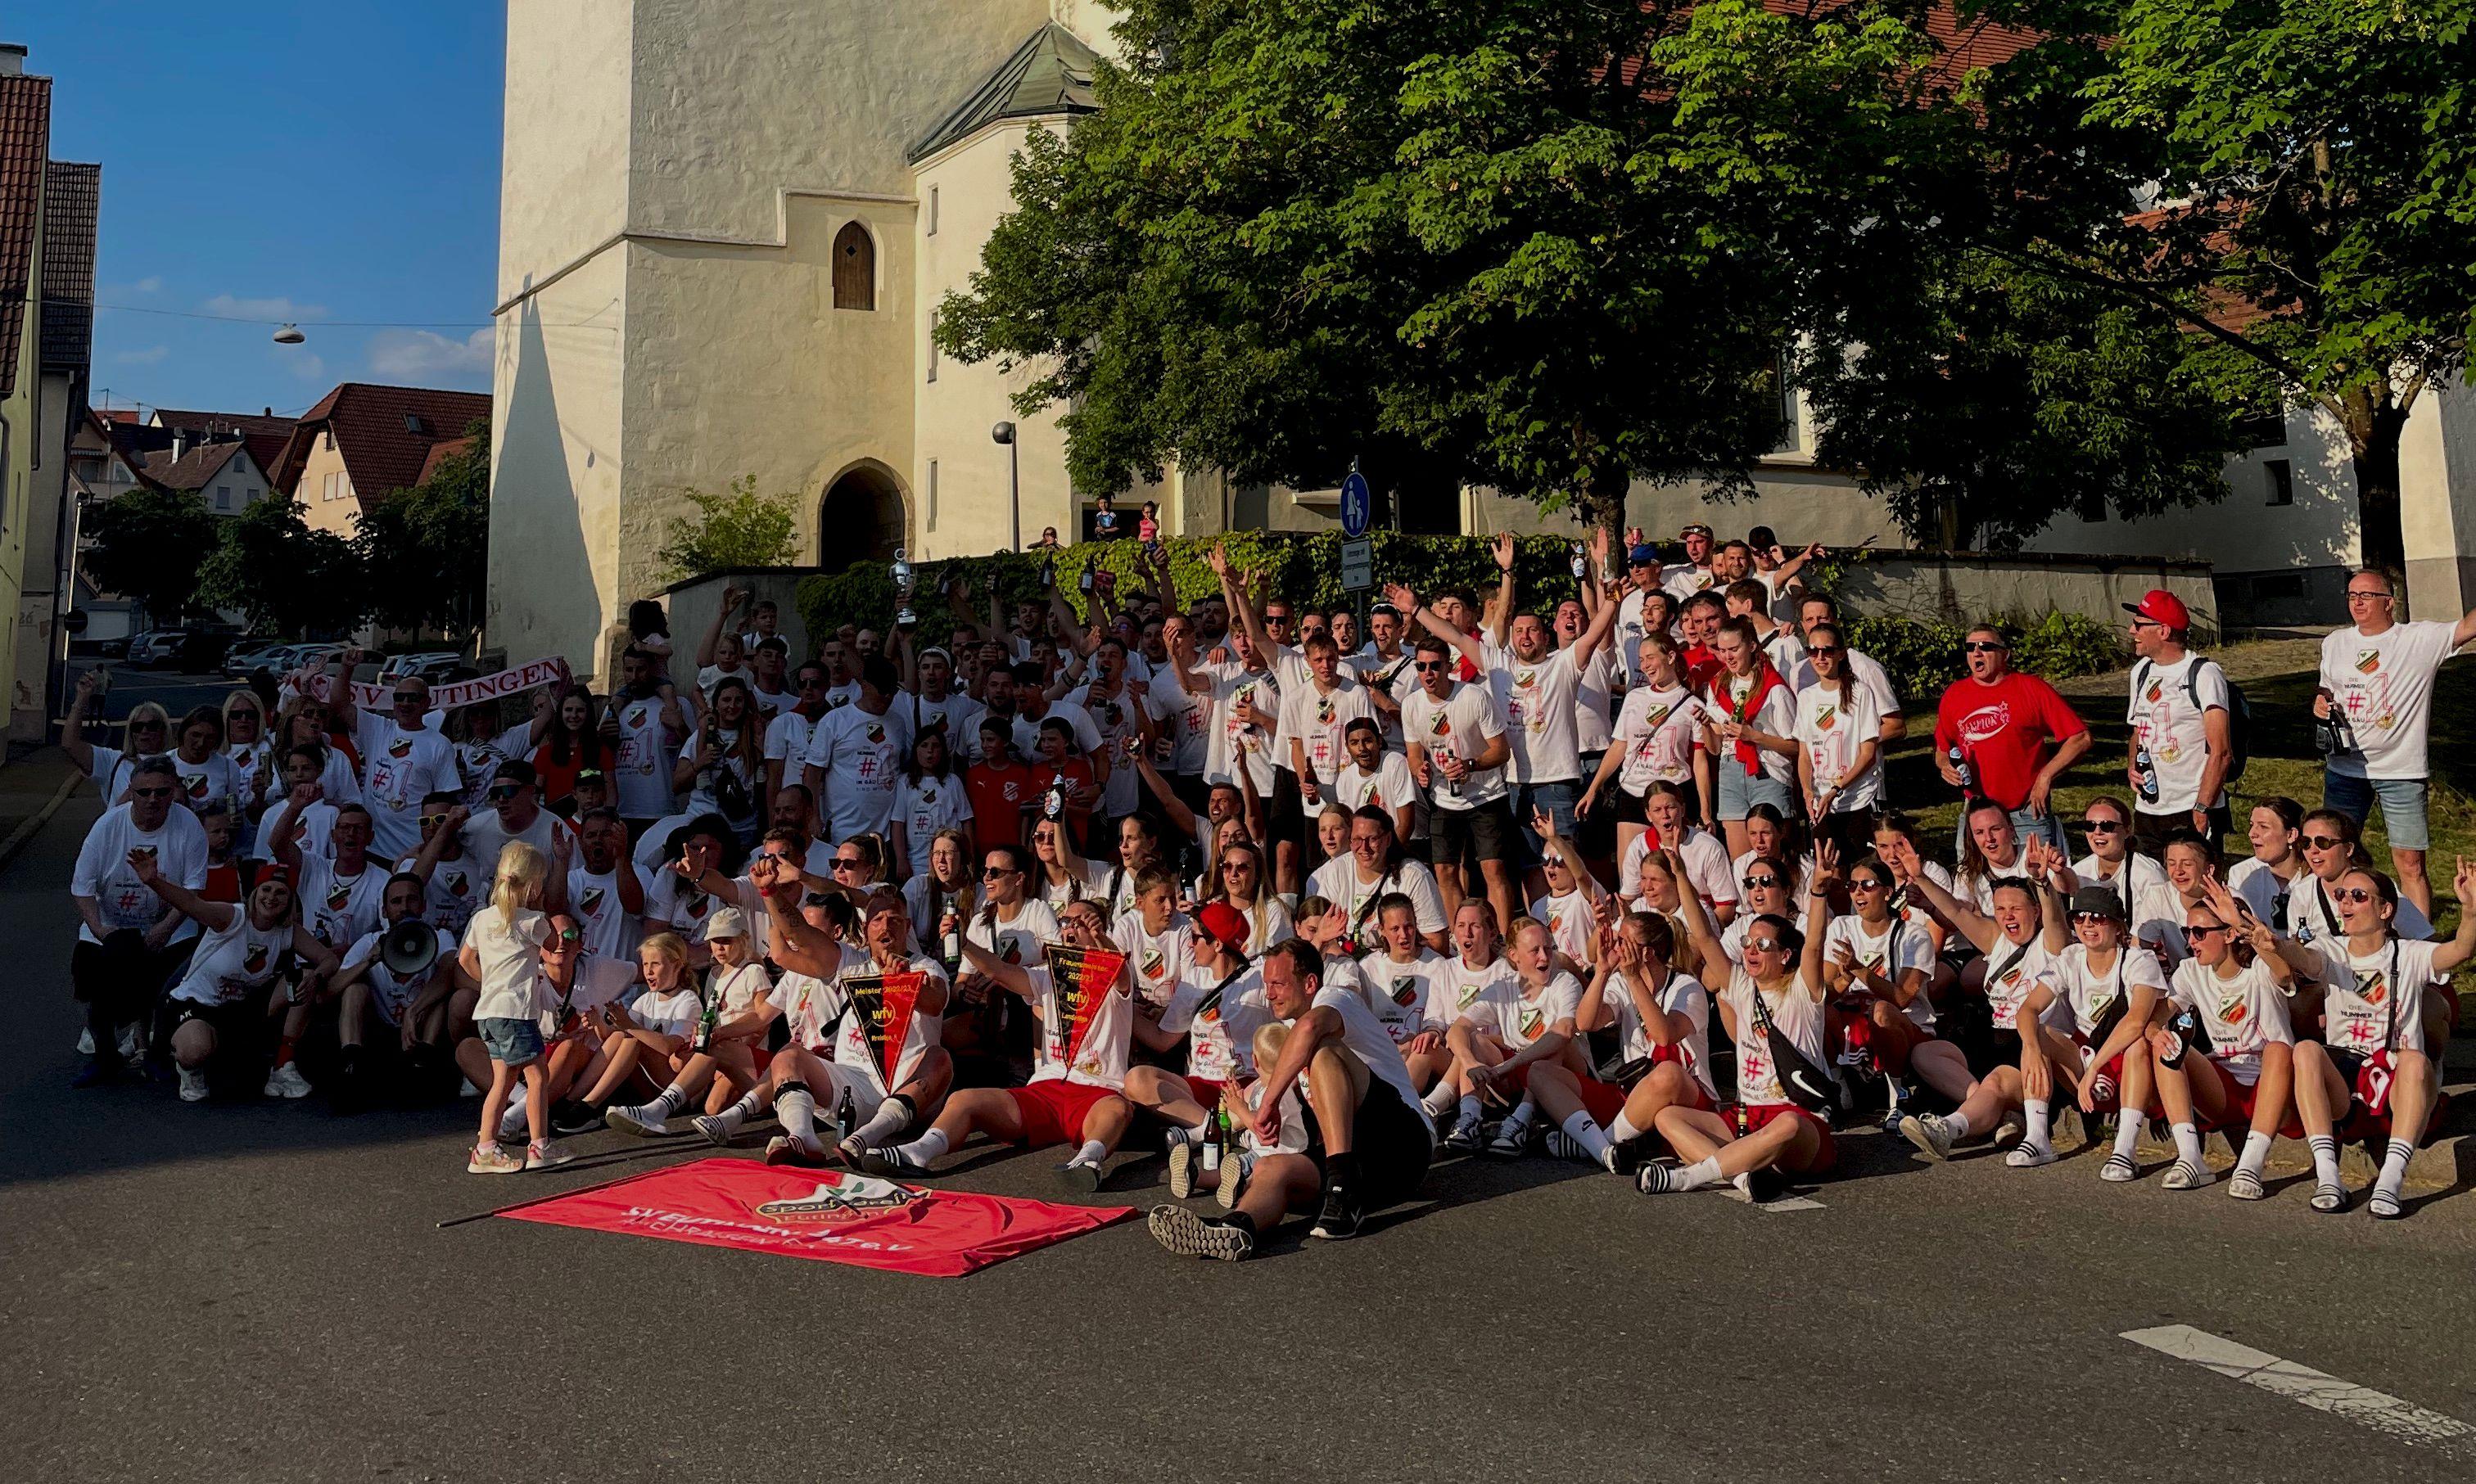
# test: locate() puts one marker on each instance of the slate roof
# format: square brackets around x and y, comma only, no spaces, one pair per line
[1051,73]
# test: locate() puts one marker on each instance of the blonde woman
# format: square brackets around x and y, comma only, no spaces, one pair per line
[502,949]
[147,734]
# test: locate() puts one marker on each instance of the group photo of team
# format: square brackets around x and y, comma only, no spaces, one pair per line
[1311,904]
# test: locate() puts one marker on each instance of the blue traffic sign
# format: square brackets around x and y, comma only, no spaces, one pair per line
[1357,505]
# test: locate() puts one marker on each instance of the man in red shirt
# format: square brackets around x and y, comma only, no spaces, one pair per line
[2006,737]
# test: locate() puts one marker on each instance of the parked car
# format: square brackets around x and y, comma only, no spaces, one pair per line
[431,665]
[248,655]
[154,648]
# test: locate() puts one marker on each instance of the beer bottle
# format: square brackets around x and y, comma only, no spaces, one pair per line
[845,1118]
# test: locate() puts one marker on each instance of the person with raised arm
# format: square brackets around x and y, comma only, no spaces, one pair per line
[239,952]
[1662,1019]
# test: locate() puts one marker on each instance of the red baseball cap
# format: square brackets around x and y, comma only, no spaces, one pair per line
[2159,606]
[1223,923]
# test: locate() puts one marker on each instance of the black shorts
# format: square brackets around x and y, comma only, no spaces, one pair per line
[1997,1049]
[1851,833]
[237,1026]
[1392,1143]
[1288,816]
[1628,807]
[1483,833]
[2151,831]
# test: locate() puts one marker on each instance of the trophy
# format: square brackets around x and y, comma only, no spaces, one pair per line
[1581,561]
[904,583]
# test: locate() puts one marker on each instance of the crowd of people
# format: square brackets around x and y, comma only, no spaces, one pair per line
[1308,901]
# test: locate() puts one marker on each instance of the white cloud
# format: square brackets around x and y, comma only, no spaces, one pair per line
[264,309]
[145,357]
[415,354]
[151,283]
[306,365]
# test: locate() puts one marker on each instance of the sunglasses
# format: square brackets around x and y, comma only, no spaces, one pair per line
[841,864]
[500,793]
[410,697]
[2352,894]
[2193,934]
[428,820]
[2321,842]
[1982,646]
[1759,882]
[150,793]
[987,872]
[2097,826]
[1824,649]
[1765,944]
[1861,883]
[570,935]
[1424,665]
[2094,917]
[2140,621]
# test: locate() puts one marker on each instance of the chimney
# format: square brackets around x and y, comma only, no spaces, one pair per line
[179,443]
[12,59]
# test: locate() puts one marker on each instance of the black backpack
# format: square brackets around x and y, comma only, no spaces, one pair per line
[2238,712]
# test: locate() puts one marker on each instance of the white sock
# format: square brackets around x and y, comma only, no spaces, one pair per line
[2255,1154]
[1957,1123]
[2187,1144]
[2395,1167]
[671,1099]
[1624,1129]
[1584,1130]
[512,1122]
[2039,1114]
[925,1149]
[1093,1152]
[797,1108]
[1439,1099]
[891,1116]
[2325,1159]
[2127,1135]
[1695,1176]
[1469,1108]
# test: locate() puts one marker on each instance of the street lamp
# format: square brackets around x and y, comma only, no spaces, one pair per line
[1003,432]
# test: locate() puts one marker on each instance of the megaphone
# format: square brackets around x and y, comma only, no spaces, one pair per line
[410,948]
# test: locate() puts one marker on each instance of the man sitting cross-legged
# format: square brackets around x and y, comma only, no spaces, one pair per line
[1215,1009]
[1078,1073]
[845,1018]
[1369,1142]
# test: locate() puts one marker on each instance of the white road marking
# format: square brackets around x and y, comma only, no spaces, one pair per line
[1784,1204]
[2378,1411]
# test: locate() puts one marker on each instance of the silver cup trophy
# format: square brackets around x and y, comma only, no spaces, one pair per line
[1581,561]
[905,581]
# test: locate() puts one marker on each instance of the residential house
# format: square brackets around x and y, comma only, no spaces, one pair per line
[25,144]
[264,431]
[363,442]
[72,194]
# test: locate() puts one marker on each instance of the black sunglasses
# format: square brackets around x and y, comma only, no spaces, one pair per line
[1759,882]
[2100,826]
[2321,842]
[987,872]
[2193,934]
[1434,664]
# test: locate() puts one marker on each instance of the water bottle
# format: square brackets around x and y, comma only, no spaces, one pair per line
[2180,1034]
[2145,774]
[1960,766]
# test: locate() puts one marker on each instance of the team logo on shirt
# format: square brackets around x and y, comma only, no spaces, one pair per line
[2368,660]
[928,795]
[401,747]
[455,883]
[635,716]
[339,895]
[1826,718]
[2372,988]
[1532,1021]
[589,901]
[1404,991]
[1013,792]
[1154,963]
[195,783]
[1442,725]
[2155,691]
[855,1197]
[876,732]
[2233,1011]
[255,962]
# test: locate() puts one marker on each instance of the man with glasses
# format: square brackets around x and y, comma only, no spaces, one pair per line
[453,888]
[130,939]
[2378,675]
[2006,737]
[404,757]
[2183,731]
[788,734]
[515,814]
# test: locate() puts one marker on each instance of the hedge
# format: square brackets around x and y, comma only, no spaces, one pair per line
[1921,658]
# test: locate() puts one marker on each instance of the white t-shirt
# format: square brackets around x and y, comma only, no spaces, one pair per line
[609,930]
[596,981]
[390,995]
[2012,971]
[1831,734]
[675,1014]
[786,742]
[1682,579]
[1862,670]
[1185,718]
[477,760]
[233,960]
[1337,882]
[1901,946]
[1775,717]
[1390,788]
[2090,994]
[398,769]
[314,829]
[2240,1015]
[1317,720]
[1158,959]
[1023,941]
[486,837]
[1114,719]
[2312,917]
[1396,676]
[1572,931]
[1458,988]
[1537,700]
[1265,925]
[1404,994]
[1629,634]
[1091,883]
[338,909]
[1682,995]
[2383,683]
[961,715]
[1087,732]
[861,758]
[2378,1001]
[678,904]
[1363,1032]
[1236,741]
[2261,889]
[204,782]
[1657,728]
[923,808]
[1795,1015]
[123,900]
[1097,1056]
[641,771]
[1707,868]
[510,955]
[456,891]
[254,763]
[1516,1018]
[1219,1021]
[1461,725]
[2165,720]
[1596,704]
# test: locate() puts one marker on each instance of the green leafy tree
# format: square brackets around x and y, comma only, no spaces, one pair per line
[426,550]
[286,577]
[1455,240]
[735,527]
[146,546]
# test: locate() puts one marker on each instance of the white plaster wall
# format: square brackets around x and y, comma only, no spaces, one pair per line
[973,187]
[2437,507]
[563,166]
[2243,532]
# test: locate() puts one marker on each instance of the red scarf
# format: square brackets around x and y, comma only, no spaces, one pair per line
[1766,681]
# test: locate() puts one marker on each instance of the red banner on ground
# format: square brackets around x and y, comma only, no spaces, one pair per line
[826,1215]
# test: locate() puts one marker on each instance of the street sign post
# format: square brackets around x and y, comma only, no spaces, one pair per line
[1357,504]
[1357,565]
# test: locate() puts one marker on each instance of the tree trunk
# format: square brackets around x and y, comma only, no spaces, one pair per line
[2373,427]
[1602,504]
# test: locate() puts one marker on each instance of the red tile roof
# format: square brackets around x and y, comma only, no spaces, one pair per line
[384,433]
[441,452]
[265,432]
[25,143]
[192,471]
[71,193]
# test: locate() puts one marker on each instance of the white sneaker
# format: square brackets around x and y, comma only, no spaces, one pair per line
[545,1154]
[1930,1134]
[85,1042]
[133,1043]
[645,1120]
[2030,1156]
[1183,1163]
[194,1084]
[490,1159]
[287,1081]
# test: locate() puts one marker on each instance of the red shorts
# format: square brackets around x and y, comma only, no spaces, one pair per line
[1207,1092]
[1605,1100]
[2236,1119]
[2113,1101]
[1827,1157]
[1053,1112]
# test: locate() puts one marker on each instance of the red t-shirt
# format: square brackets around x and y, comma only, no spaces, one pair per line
[1078,774]
[1000,793]
[2006,731]
[1702,665]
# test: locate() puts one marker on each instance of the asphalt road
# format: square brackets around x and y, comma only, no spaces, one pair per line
[263,1293]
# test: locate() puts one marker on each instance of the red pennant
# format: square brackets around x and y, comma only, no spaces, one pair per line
[882,1005]
[1083,978]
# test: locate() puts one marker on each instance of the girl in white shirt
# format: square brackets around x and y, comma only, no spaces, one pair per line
[1240,880]
[502,952]
[1839,766]
[2090,1013]
[2225,1054]
[1662,1019]
[1653,743]
[2276,864]
[930,798]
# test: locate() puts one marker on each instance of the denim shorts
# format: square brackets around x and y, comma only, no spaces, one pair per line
[510,1042]
[2402,801]
[1739,793]
[1557,798]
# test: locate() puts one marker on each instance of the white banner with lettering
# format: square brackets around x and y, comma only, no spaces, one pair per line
[513,681]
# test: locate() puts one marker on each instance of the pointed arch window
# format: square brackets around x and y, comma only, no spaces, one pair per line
[854,268]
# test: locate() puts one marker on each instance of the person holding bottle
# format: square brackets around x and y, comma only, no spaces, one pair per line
[2183,731]
[2006,736]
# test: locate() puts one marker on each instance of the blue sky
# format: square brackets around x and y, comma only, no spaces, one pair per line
[335,164]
